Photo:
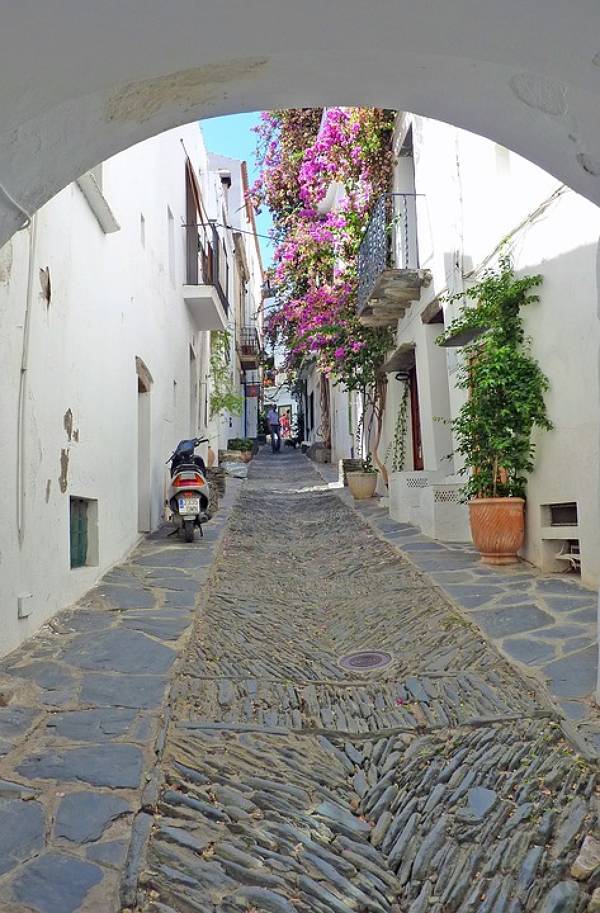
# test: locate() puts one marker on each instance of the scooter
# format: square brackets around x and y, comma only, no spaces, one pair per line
[189,494]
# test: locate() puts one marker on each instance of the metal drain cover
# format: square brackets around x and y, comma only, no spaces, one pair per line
[365,660]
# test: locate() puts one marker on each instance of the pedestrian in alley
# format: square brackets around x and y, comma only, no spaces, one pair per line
[273,422]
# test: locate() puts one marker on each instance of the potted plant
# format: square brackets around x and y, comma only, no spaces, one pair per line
[505,389]
[362,484]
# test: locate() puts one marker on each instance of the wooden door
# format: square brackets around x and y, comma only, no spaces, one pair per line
[415,415]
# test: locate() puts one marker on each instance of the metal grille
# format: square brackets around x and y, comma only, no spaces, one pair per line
[389,241]
[249,343]
[417,482]
[365,660]
[446,496]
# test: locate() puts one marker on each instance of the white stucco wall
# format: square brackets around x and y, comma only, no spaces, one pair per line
[82,82]
[114,297]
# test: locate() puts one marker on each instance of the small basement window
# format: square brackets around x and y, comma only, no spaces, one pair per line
[83,526]
[563,514]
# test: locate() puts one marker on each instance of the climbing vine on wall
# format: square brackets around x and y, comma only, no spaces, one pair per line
[223,395]
[396,450]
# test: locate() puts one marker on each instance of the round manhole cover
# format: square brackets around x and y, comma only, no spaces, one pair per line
[365,660]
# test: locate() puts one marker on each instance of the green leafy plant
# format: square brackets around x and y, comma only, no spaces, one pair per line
[504,383]
[223,396]
[240,443]
[367,464]
[397,446]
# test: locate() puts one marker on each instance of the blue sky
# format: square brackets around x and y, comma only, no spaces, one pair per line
[233,136]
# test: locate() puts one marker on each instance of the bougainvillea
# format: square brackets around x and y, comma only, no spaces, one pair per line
[302,153]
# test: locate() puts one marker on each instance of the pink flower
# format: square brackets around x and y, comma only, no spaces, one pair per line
[340,352]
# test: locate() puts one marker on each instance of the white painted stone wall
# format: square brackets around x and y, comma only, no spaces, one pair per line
[83,82]
[114,297]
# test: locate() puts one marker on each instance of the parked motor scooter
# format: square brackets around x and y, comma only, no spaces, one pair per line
[189,495]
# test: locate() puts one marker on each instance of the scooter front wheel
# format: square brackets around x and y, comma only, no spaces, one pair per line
[188,530]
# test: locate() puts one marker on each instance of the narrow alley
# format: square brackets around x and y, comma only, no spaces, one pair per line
[341,739]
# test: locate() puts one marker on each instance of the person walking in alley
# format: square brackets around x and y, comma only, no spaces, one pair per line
[273,422]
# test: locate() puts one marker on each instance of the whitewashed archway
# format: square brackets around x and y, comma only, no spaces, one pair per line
[80,81]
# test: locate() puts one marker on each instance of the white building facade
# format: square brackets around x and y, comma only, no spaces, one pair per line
[107,304]
[456,201]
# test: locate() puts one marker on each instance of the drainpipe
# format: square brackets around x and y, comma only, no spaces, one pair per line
[21,410]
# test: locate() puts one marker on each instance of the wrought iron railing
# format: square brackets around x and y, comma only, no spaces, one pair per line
[390,241]
[249,343]
[207,262]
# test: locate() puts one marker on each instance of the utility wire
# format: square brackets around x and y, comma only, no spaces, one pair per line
[241,231]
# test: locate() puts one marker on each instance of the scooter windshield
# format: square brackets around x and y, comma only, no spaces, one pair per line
[185,447]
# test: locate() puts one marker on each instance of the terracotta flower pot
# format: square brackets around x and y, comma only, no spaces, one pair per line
[498,528]
[362,485]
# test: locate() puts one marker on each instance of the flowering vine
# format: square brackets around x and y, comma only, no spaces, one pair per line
[301,154]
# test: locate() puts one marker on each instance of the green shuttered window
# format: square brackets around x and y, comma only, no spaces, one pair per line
[79,532]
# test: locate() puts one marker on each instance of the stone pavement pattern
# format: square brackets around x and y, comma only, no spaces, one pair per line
[548,623]
[82,722]
[437,784]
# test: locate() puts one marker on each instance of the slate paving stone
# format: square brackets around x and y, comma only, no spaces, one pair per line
[504,621]
[15,721]
[56,883]
[11,790]
[563,604]
[83,620]
[513,599]
[109,852]
[576,644]
[116,765]
[472,596]
[560,587]
[179,584]
[575,675]
[47,675]
[98,725]
[179,558]
[22,831]
[143,691]
[587,616]
[122,597]
[165,627]
[83,817]
[560,632]
[184,600]
[528,650]
[119,650]
[575,710]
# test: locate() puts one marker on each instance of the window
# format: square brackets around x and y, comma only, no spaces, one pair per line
[142,230]
[171,232]
[83,529]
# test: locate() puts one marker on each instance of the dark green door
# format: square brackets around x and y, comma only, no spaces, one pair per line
[79,538]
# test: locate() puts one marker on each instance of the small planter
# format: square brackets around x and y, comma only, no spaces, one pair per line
[346,466]
[246,455]
[498,528]
[362,485]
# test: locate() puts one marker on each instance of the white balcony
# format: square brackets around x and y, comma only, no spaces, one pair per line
[206,307]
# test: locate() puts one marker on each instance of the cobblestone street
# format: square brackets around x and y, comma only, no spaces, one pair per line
[438,782]
[256,763]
